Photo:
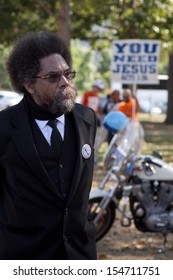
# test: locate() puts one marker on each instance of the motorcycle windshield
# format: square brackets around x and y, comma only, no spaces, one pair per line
[125,142]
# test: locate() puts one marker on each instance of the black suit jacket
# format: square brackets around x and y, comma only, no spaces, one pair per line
[35,221]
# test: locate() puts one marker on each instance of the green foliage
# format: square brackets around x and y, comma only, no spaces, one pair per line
[21,16]
[4,79]
[122,19]
[90,65]
[82,63]
[97,22]
[90,20]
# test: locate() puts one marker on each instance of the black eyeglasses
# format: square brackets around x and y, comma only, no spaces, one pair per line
[55,77]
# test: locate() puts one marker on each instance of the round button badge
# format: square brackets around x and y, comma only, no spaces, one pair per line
[86,151]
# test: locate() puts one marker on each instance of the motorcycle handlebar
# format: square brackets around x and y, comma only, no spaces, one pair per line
[150,161]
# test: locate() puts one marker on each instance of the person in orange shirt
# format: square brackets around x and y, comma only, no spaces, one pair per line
[129,106]
[91,98]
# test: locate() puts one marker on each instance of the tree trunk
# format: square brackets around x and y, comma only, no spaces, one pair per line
[169,118]
[62,15]
[64,22]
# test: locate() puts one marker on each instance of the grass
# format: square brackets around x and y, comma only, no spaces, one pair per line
[152,118]
[158,136]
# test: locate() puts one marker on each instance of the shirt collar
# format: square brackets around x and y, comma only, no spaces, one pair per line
[43,123]
[61,119]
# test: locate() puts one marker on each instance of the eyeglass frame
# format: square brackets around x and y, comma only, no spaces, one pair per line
[47,76]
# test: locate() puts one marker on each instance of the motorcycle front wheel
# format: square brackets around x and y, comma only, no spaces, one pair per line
[107,218]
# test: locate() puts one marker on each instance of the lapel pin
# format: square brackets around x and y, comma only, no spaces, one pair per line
[86,151]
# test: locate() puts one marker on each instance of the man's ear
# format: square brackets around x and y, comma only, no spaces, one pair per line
[29,87]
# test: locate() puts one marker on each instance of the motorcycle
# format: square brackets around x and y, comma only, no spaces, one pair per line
[138,186]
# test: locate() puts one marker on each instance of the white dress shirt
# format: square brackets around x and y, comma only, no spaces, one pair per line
[47,130]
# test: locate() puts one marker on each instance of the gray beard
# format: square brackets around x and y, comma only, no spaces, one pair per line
[59,106]
[59,109]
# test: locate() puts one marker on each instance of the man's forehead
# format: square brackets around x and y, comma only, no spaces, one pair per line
[53,62]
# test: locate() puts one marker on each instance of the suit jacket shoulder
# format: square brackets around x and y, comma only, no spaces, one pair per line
[10,118]
[87,114]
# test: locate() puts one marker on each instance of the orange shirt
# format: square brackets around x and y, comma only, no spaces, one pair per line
[91,99]
[128,108]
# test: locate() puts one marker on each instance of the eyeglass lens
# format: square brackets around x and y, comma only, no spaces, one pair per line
[55,77]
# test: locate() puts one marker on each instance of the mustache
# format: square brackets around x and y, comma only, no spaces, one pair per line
[66,91]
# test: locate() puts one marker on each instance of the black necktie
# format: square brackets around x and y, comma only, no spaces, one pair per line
[56,139]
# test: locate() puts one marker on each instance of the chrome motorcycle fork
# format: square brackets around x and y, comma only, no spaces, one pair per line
[105,202]
[106,179]
[124,209]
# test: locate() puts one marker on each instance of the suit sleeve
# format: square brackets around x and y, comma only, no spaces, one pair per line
[94,125]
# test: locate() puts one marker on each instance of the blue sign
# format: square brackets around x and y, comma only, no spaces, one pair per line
[135,61]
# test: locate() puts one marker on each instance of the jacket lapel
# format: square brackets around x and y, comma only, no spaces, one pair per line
[23,139]
[82,137]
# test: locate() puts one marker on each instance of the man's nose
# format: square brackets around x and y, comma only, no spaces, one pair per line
[63,81]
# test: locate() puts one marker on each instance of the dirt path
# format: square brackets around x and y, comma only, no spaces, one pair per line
[130,244]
